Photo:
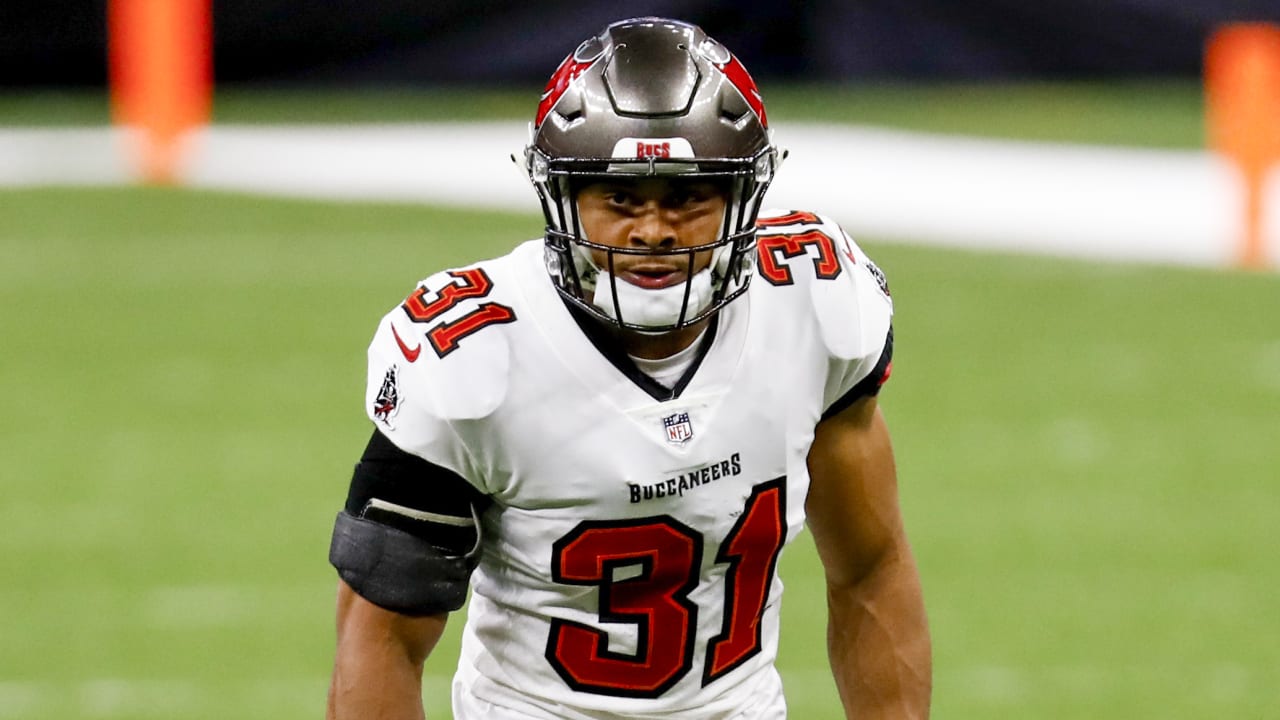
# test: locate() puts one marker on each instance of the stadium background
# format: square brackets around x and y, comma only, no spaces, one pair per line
[1087,450]
[506,42]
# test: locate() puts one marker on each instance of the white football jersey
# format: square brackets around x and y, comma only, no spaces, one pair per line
[630,554]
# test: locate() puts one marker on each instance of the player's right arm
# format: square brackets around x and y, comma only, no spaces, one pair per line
[377,672]
[404,547]
[407,540]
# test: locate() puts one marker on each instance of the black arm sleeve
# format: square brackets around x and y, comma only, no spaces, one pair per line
[387,473]
[869,385]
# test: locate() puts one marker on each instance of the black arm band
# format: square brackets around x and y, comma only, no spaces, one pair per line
[391,477]
[396,570]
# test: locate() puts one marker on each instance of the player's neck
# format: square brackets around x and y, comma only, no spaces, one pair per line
[663,345]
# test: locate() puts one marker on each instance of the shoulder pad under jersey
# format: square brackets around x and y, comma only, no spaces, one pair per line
[435,361]
[849,293]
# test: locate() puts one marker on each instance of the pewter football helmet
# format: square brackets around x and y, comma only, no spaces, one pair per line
[650,97]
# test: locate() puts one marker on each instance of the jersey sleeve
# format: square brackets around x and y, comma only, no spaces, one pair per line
[426,402]
[855,319]
[870,383]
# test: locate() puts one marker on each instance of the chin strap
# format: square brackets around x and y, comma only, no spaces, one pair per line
[658,308]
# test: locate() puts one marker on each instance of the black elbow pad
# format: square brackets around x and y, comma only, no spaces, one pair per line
[399,571]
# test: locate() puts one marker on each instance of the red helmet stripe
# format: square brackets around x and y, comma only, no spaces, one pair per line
[568,71]
[741,79]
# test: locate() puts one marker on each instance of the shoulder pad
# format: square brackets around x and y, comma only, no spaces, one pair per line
[855,311]
[849,294]
[425,374]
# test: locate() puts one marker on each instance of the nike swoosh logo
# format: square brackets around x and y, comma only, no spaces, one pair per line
[410,355]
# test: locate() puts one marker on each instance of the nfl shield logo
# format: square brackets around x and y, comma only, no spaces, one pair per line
[679,429]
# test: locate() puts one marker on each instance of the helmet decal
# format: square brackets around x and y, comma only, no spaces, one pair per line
[670,147]
[741,79]
[574,65]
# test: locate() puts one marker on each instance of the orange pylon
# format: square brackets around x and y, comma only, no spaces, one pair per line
[161,76]
[1242,94]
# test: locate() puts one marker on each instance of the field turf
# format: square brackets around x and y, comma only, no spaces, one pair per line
[1088,458]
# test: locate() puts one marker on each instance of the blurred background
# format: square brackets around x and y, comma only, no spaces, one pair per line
[1077,214]
[456,42]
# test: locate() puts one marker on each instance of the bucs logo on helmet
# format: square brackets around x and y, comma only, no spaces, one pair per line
[653,150]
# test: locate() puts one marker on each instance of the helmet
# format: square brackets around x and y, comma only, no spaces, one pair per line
[650,97]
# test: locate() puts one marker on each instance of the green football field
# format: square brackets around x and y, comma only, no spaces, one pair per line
[1088,452]
[1088,458]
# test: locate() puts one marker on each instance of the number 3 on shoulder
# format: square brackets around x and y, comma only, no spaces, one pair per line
[473,283]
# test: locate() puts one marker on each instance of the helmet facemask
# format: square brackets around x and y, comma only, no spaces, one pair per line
[594,286]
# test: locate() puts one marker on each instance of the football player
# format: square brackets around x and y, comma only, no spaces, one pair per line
[609,435]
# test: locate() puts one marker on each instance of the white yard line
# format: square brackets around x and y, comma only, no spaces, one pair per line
[117,697]
[1164,206]
[20,699]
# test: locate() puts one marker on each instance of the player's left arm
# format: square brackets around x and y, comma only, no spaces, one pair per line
[877,635]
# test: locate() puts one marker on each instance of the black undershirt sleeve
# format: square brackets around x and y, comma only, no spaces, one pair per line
[387,473]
